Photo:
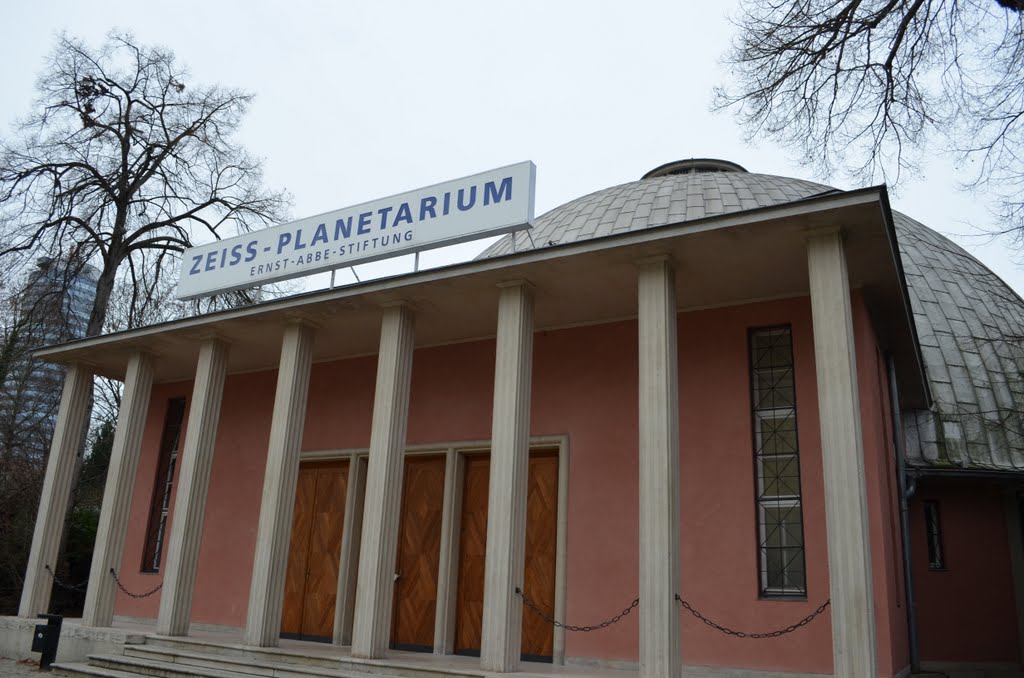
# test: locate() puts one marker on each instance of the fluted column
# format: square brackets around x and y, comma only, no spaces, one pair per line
[842,451]
[266,593]
[190,500]
[371,630]
[501,634]
[117,495]
[659,470]
[68,435]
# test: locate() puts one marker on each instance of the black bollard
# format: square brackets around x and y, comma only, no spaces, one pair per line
[45,639]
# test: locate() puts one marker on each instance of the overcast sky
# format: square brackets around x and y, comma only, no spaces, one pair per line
[359,101]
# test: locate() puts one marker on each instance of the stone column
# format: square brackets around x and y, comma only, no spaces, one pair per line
[117,495]
[501,634]
[273,537]
[371,631]
[348,570]
[842,451]
[68,435]
[659,470]
[190,499]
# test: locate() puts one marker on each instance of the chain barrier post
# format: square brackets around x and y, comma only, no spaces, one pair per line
[128,593]
[743,634]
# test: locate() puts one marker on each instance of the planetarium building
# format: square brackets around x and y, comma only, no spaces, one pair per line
[707,423]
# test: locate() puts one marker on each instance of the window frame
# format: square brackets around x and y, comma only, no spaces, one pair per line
[763,503]
[934,547]
[163,487]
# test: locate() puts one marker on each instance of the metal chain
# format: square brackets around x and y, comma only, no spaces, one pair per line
[569,627]
[64,585]
[129,593]
[767,634]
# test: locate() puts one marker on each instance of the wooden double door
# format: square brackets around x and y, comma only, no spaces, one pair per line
[541,548]
[419,548]
[311,580]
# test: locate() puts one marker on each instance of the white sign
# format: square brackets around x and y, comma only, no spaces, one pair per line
[477,206]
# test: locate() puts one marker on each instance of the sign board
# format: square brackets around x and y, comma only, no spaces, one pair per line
[490,203]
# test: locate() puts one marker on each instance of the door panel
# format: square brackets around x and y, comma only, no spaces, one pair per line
[325,552]
[541,546]
[311,580]
[469,607]
[419,552]
[298,552]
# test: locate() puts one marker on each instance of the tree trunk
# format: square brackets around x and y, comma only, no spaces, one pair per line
[104,288]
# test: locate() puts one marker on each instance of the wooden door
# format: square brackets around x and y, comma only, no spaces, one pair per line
[469,605]
[539,573]
[541,547]
[419,552]
[311,580]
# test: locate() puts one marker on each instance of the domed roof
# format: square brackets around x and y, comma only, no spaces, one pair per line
[657,201]
[970,323]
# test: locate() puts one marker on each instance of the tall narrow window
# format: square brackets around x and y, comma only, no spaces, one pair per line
[777,463]
[936,560]
[164,483]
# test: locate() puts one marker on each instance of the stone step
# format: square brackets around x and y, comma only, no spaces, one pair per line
[83,670]
[237,651]
[149,667]
[244,666]
[329,660]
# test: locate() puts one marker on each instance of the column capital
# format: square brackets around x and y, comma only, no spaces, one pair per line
[516,283]
[398,303]
[663,258]
[823,231]
[293,319]
[206,336]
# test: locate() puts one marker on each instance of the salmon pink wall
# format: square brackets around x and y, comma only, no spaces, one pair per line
[584,388]
[145,480]
[965,612]
[719,524]
[232,507]
[340,405]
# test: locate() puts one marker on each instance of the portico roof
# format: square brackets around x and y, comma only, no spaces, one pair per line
[744,256]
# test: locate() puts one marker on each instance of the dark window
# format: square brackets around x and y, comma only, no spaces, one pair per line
[164,483]
[777,463]
[936,559]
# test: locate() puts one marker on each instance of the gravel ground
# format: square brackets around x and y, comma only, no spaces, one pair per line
[12,669]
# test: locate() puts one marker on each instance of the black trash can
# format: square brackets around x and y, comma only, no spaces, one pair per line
[45,639]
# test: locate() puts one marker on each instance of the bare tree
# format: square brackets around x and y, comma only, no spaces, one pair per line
[126,163]
[866,85]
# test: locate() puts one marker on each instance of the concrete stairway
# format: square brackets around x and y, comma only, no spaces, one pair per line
[182,657]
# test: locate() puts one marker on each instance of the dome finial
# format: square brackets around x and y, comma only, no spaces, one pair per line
[693,166]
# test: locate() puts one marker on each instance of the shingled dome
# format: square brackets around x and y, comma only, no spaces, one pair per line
[969,322]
